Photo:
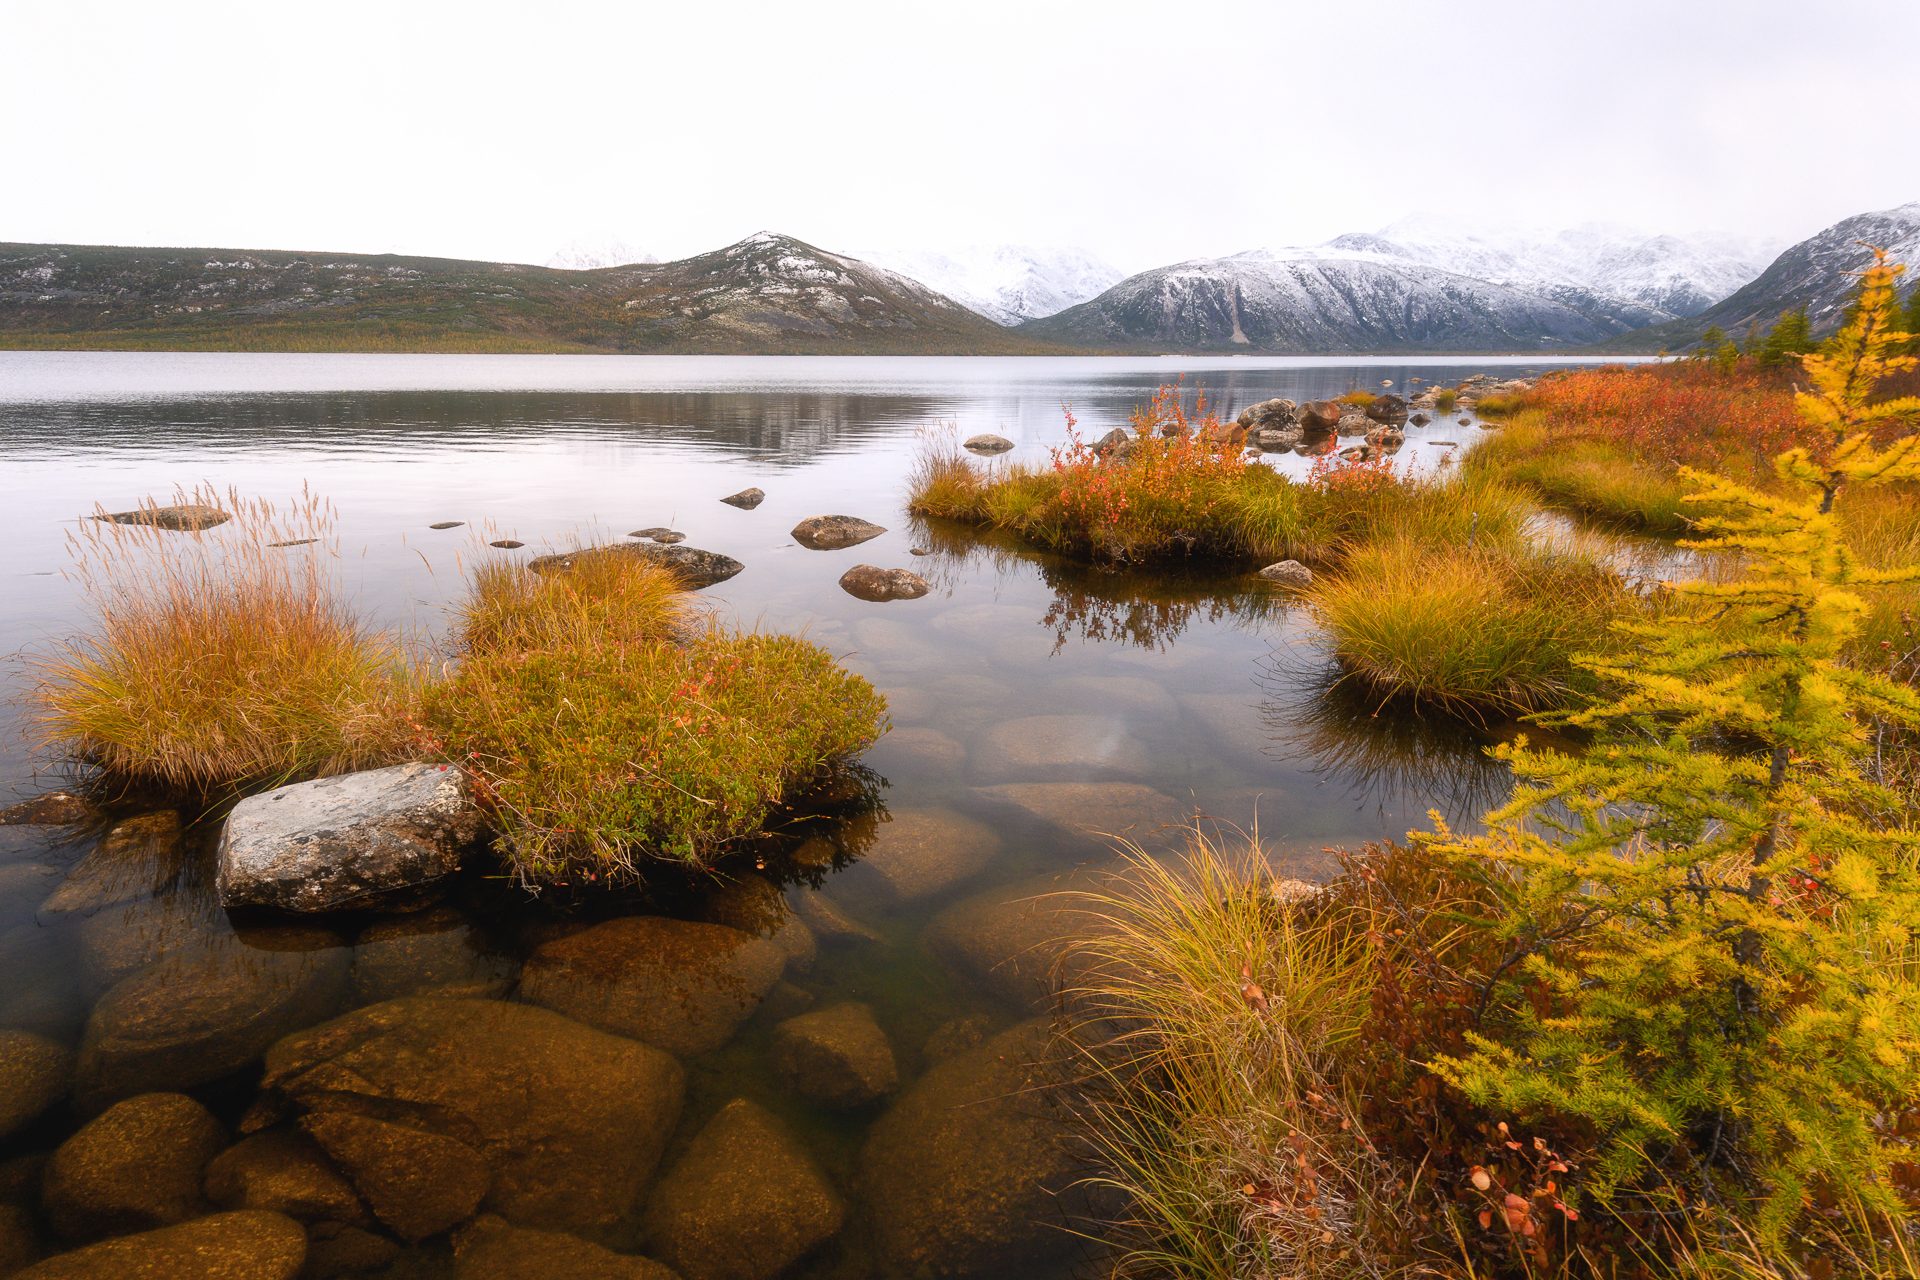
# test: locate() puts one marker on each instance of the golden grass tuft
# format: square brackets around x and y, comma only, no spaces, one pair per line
[217,661]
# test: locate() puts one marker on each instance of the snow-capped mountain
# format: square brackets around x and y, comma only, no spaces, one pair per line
[1006,283]
[1679,274]
[590,255]
[1328,300]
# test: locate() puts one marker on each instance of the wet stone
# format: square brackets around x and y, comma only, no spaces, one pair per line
[337,1249]
[877,586]
[755,907]
[745,1202]
[134,1167]
[832,533]
[953,1038]
[507,544]
[56,808]
[963,1177]
[1089,815]
[678,985]
[248,1245]
[670,538]
[136,858]
[185,518]
[284,1170]
[491,1249]
[1288,573]
[447,524]
[570,1121]
[1012,940]
[418,1183]
[1131,697]
[746,499]
[20,1178]
[918,752]
[434,952]
[828,919]
[916,853]
[987,442]
[1058,749]
[695,568]
[784,1001]
[836,1058]
[35,1073]
[192,1016]
[19,1242]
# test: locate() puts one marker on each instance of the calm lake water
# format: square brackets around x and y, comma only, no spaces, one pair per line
[1031,699]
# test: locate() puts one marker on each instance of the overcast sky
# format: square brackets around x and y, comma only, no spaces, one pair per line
[1148,133]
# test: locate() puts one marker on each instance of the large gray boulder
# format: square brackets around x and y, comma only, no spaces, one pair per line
[963,1177]
[831,533]
[678,985]
[568,1122]
[745,1202]
[347,841]
[248,1245]
[134,1167]
[695,568]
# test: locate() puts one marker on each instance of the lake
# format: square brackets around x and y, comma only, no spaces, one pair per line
[1032,700]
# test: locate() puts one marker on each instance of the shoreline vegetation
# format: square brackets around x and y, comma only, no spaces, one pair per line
[607,727]
[1662,1019]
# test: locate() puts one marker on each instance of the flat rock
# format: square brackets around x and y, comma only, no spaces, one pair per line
[876,585]
[435,952]
[185,518]
[136,858]
[1288,573]
[1058,749]
[751,904]
[507,544]
[134,1167]
[347,841]
[963,1176]
[678,985]
[1012,940]
[569,1121]
[25,884]
[695,568]
[905,705]
[1089,813]
[917,752]
[1235,724]
[987,442]
[417,1182]
[35,1073]
[828,919]
[446,524]
[831,533]
[248,1245]
[835,1058]
[745,1202]
[56,808]
[746,499]
[492,1249]
[1129,697]
[915,853]
[194,1016]
[285,1171]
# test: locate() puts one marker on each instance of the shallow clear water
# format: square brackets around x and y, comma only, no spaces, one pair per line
[1170,693]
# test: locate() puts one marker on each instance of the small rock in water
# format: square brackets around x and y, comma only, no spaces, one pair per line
[831,533]
[296,542]
[1444,444]
[919,551]
[507,544]
[835,1058]
[694,567]
[649,531]
[989,443]
[868,582]
[186,518]
[746,499]
[35,1073]
[669,537]
[56,808]
[1466,422]
[447,524]
[1288,573]
[1419,420]
[134,1167]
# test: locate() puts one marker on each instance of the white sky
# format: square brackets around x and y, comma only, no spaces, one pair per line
[1148,133]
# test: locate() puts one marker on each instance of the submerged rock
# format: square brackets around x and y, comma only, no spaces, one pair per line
[877,585]
[694,567]
[435,952]
[745,1202]
[568,1121]
[987,442]
[491,1249]
[284,1170]
[134,1167]
[1090,814]
[347,841]
[185,518]
[337,1249]
[1058,749]
[831,533]
[249,1245]
[836,1058]
[19,1241]
[35,1073]
[1288,573]
[507,544]
[916,853]
[136,858]
[678,985]
[963,1177]
[56,808]
[755,907]
[419,1183]
[746,499]
[922,752]
[1011,940]
[194,1016]
[828,919]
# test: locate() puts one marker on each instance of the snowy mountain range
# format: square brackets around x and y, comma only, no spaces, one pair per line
[594,253]
[1007,283]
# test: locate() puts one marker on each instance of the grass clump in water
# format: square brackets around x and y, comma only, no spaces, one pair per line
[599,743]
[219,662]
